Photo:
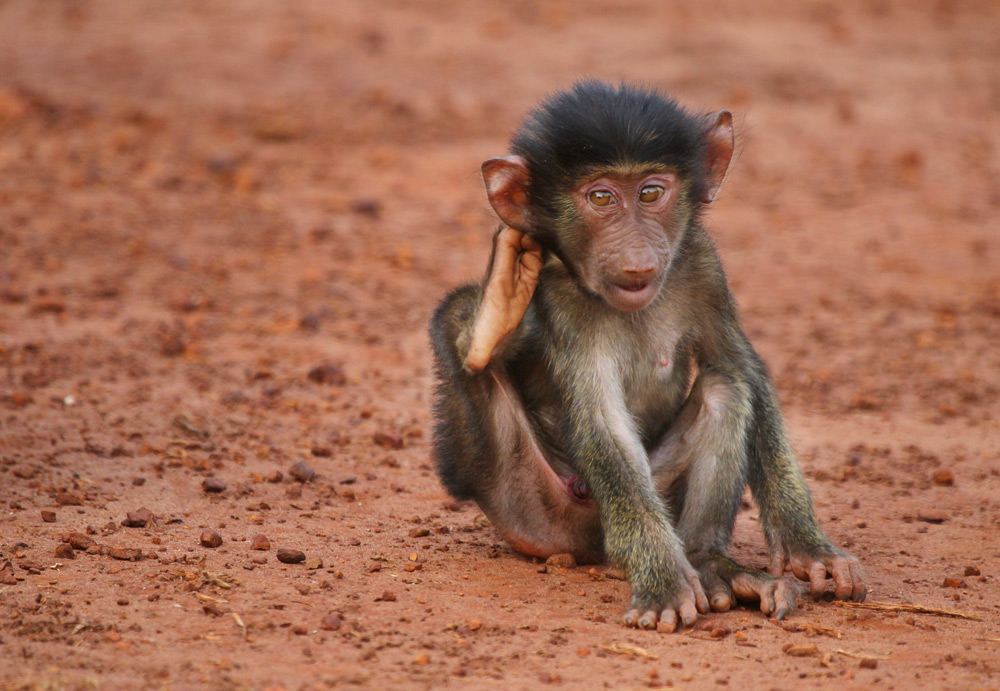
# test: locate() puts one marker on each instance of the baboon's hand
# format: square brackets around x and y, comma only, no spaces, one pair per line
[846,570]
[680,606]
[509,288]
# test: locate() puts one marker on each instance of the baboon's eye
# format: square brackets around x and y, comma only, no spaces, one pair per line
[650,193]
[601,198]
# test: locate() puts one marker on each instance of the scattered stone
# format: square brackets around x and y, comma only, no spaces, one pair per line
[562,561]
[260,542]
[868,663]
[932,515]
[800,650]
[331,622]
[944,477]
[300,630]
[420,532]
[7,574]
[274,477]
[79,541]
[367,206]
[309,322]
[213,484]
[332,375]
[182,423]
[125,553]
[953,583]
[291,556]
[314,563]
[387,596]
[259,559]
[122,601]
[972,571]
[302,472]
[138,481]
[64,551]
[49,516]
[422,659]
[211,539]
[388,440]
[138,519]
[69,499]
[321,451]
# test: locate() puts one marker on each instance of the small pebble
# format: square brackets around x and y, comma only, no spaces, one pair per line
[972,571]
[388,440]
[260,542]
[332,375]
[302,472]
[49,516]
[64,551]
[563,561]
[387,596]
[275,476]
[123,601]
[932,516]
[420,532]
[800,650]
[953,583]
[213,484]
[314,563]
[124,553]
[78,540]
[210,538]
[868,663]
[291,556]
[331,622]
[139,518]
[944,477]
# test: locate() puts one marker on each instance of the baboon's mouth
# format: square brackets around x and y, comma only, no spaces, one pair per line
[632,297]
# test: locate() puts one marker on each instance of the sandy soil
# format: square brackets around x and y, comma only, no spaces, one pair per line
[224,225]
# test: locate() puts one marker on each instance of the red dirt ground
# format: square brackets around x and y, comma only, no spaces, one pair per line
[202,202]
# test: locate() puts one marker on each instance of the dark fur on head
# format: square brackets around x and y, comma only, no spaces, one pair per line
[596,125]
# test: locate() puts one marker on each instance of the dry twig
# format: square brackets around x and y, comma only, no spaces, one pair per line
[630,650]
[915,609]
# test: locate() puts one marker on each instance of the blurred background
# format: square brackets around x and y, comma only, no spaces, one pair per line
[202,200]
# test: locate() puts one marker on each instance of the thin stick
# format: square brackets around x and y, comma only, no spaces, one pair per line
[239,622]
[630,650]
[862,656]
[915,609]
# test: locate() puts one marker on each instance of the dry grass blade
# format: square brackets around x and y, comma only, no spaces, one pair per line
[630,650]
[862,656]
[914,609]
[239,622]
[215,579]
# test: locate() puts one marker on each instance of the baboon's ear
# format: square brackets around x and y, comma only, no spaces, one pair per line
[507,181]
[721,141]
